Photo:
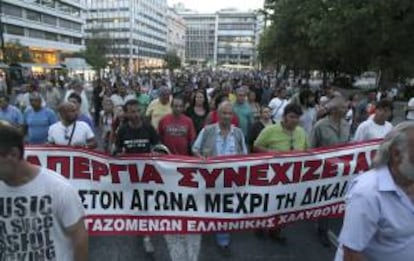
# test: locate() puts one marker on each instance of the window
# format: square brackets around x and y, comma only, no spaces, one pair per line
[68,9]
[37,34]
[14,30]
[70,25]
[65,39]
[12,10]
[49,3]
[49,19]
[77,41]
[34,16]
[51,36]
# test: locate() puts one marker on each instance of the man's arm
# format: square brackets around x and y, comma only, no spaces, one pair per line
[196,148]
[260,143]
[91,143]
[79,238]
[351,255]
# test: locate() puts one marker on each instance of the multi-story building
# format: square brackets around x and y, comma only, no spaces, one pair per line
[137,30]
[176,30]
[238,36]
[47,27]
[227,37]
[200,37]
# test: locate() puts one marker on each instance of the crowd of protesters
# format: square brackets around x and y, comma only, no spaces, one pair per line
[202,114]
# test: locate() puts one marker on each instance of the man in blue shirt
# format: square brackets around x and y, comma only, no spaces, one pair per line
[9,112]
[37,120]
[379,216]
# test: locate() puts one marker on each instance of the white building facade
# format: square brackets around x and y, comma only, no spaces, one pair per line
[225,38]
[137,30]
[176,30]
[47,27]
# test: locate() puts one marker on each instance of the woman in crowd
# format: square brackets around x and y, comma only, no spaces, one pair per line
[252,99]
[198,110]
[264,120]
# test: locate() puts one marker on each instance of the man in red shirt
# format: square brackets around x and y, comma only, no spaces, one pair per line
[176,130]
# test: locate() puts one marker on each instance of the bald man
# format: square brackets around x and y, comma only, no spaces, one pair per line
[69,131]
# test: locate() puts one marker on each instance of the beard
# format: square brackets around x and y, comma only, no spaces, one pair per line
[406,168]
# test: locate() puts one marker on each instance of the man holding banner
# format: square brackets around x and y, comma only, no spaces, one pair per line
[221,139]
[329,131]
[41,214]
[286,135]
[379,216]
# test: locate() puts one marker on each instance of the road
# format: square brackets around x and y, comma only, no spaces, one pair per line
[302,245]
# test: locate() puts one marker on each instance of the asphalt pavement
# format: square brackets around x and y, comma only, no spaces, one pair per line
[302,244]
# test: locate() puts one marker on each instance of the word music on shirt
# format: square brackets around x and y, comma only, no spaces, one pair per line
[169,194]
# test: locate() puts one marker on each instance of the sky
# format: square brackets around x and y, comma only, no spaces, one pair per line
[208,6]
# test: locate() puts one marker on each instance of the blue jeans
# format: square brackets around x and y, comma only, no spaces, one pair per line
[223,239]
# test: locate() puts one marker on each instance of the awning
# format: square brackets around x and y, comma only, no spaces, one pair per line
[77,64]
[41,65]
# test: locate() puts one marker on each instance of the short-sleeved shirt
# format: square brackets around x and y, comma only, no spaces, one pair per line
[132,140]
[38,123]
[12,115]
[50,205]
[410,114]
[379,219]
[327,133]
[278,106]
[177,133]
[156,110]
[86,119]
[275,138]
[143,101]
[245,115]
[59,134]
[369,130]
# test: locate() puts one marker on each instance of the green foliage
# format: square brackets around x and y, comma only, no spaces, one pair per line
[96,51]
[349,36]
[15,52]
[172,60]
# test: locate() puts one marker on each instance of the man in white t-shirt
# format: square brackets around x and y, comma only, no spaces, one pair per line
[69,131]
[41,214]
[121,96]
[278,104]
[377,126]
[410,109]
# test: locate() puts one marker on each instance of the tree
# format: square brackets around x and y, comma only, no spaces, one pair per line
[172,60]
[15,52]
[343,36]
[98,46]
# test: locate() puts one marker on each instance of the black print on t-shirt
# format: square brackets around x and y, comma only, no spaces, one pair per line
[25,228]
